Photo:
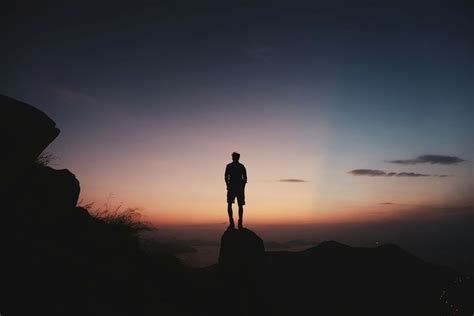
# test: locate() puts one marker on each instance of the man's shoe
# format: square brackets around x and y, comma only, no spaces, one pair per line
[232,225]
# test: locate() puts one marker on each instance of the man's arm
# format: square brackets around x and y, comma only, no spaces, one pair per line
[226,175]
[244,174]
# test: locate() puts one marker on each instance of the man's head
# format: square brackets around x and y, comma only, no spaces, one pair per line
[235,156]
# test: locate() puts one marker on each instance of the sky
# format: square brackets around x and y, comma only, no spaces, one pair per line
[342,111]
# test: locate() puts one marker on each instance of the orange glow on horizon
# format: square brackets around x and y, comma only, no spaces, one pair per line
[178,178]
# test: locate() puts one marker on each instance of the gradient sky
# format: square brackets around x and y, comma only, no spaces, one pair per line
[151,99]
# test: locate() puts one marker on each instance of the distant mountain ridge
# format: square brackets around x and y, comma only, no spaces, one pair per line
[383,254]
[333,279]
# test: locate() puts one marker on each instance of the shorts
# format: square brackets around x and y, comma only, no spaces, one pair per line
[238,193]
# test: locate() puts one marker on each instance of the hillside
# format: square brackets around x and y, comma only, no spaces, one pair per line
[331,279]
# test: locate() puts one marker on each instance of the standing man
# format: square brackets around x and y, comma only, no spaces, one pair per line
[235,178]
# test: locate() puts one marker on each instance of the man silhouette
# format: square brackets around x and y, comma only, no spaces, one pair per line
[235,178]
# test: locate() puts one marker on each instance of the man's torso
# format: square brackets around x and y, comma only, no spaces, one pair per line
[235,174]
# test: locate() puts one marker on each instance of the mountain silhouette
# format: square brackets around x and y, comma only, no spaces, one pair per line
[328,279]
[351,280]
[59,259]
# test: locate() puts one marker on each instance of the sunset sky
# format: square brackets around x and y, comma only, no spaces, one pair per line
[152,99]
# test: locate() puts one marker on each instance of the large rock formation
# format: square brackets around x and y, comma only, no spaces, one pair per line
[24,133]
[56,257]
[32,192]
[241,252]
[242,263]
[39,215]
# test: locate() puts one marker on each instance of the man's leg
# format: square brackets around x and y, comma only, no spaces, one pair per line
[241,215]
[241,202]
[231,218]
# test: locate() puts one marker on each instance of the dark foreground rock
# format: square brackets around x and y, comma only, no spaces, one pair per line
[57,259]
[24,133]
[241,252]
[242,264]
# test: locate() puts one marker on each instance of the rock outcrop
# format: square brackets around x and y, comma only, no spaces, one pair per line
[24,133]
[40,218]
[56,257]
[33,193]
[241,251]
[242,264]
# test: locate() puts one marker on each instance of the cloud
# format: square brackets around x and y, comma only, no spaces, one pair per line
[411,174]
[292,180]
[368,172]
[387,203]
[381,173]
[431,159]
